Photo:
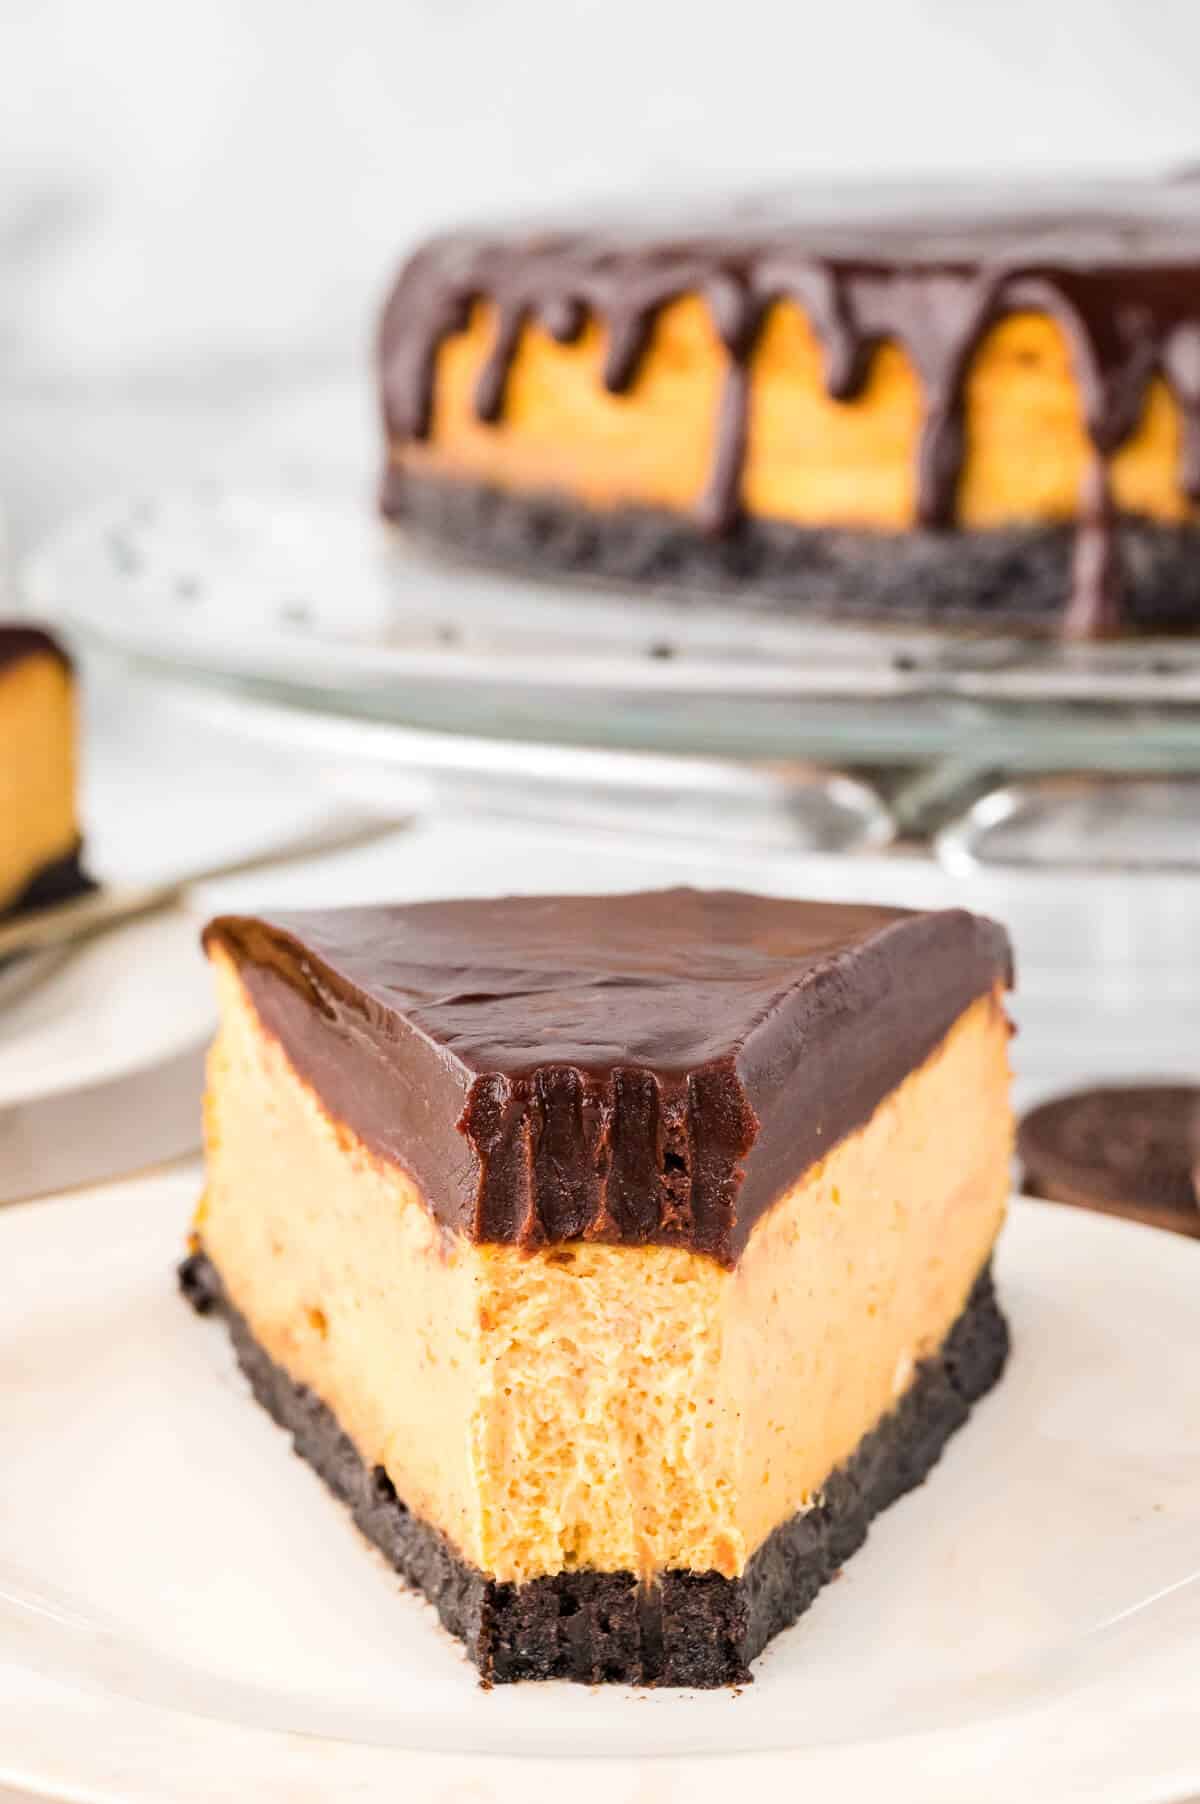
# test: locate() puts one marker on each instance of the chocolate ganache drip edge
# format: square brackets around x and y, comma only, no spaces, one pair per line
[1123,286]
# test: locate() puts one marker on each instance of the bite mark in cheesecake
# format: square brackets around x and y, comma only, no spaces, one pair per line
[618,1408]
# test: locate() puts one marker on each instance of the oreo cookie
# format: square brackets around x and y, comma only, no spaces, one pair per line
[1129,1149]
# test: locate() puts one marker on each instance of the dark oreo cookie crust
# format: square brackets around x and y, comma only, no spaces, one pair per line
[1008,578]
[691,1629]
[56,882]
[1129,1150]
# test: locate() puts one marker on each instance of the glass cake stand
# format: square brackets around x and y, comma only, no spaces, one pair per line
[302,617]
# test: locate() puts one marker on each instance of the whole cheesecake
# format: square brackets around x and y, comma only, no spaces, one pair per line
[39,823]
[936,405]
[614,1259]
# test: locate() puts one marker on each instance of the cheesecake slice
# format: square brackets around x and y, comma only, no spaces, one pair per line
[614,1259]
[39,824]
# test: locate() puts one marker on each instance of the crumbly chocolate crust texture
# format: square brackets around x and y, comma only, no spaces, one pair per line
[696,1630]
[1001,579]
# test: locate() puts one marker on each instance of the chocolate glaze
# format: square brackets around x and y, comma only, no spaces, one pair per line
[19,641]
[1116,265]
[657,1067]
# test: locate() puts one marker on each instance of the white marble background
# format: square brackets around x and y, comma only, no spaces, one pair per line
[199,203]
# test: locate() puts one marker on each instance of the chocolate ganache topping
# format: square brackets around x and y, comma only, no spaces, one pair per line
[1116,265]
[650,1068]
[19,641]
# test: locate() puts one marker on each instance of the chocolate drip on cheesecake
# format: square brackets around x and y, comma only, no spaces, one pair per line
[1118,271]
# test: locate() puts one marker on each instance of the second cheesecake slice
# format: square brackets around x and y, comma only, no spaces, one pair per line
[39,824]
[614,1259]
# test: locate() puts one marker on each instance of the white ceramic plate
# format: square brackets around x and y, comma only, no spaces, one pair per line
[185,1613]
[118,1004]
